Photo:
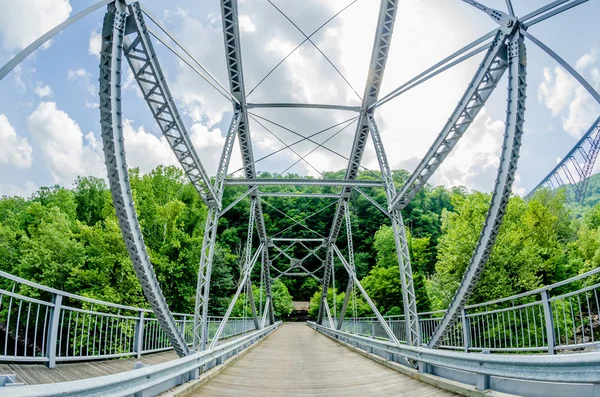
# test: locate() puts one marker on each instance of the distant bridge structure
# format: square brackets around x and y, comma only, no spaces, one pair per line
[451,344]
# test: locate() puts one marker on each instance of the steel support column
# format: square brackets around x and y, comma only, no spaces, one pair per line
[409,299]
[111,53]
[502,190]
[208,243]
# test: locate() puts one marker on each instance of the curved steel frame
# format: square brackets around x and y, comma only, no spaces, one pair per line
[506,51]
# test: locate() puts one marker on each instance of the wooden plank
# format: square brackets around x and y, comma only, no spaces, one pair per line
[297,361]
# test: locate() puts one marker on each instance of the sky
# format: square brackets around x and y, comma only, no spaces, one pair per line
[49,116]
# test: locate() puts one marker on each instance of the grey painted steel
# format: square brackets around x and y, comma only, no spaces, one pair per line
[116,165]
[409,299]
[584,166]
[161,377]
[69,327]
[433,70]
[208,243]
[352,274]
[352,265]
[303,106]
[248,266]
[237,200]
[579,370]
[588,87]
[148,74]
[482,85]
[187,52]
[502,190]
[553,12]
[266,268]
[17,59]
[349,183]
[300,195]
[328,263]
[372,201]
[582,158]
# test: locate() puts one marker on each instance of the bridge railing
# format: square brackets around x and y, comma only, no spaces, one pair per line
[560,317]
[42,324]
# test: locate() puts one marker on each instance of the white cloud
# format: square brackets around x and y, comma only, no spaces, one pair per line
[65,151]
[586,60]
[562,94]
[83,77]
[23,21]
[10,190]
[557,89]
[246,24]
[145,150]
[474,161]
[42,90]
[15,150]
[95,43]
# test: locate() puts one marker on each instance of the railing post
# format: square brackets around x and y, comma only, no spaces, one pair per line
[466,330]
[549,321]
[373,329]
[53,330]
[139,334]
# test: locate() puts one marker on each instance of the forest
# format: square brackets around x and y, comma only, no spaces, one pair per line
[69,239]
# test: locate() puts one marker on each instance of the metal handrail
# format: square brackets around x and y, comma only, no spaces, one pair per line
[86,329]
[568,321]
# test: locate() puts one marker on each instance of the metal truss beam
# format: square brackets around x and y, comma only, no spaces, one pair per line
[299,195]
[372,201]
[482,85]
[310,240]
[380,318]
[148,74]
[303,182]
[443,65]
[208,243]
[328,263]
[582,157]
[203,71]
[17,59]
[248,266]
[551,13]
[350,286]
[303,106]
[114,152]
[266,268]
[409,299]
[502,190]
[381,46]
[237,200]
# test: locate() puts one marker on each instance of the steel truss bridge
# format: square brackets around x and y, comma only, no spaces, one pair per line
[452,344]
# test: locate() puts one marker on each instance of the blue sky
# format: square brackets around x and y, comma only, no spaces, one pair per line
[49,125]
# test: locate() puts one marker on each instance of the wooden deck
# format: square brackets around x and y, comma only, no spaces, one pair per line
[298,361]
[35,374]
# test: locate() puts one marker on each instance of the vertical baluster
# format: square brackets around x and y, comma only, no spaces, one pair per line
[67,344]
[8,323]
[44,350]
[581,319]
[75,335]
[87,344]
[27,329]
[573,319]
[60,333]
[528,326]
[100,338]
[37,316]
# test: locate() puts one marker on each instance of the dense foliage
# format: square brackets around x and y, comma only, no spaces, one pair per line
[69,239]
